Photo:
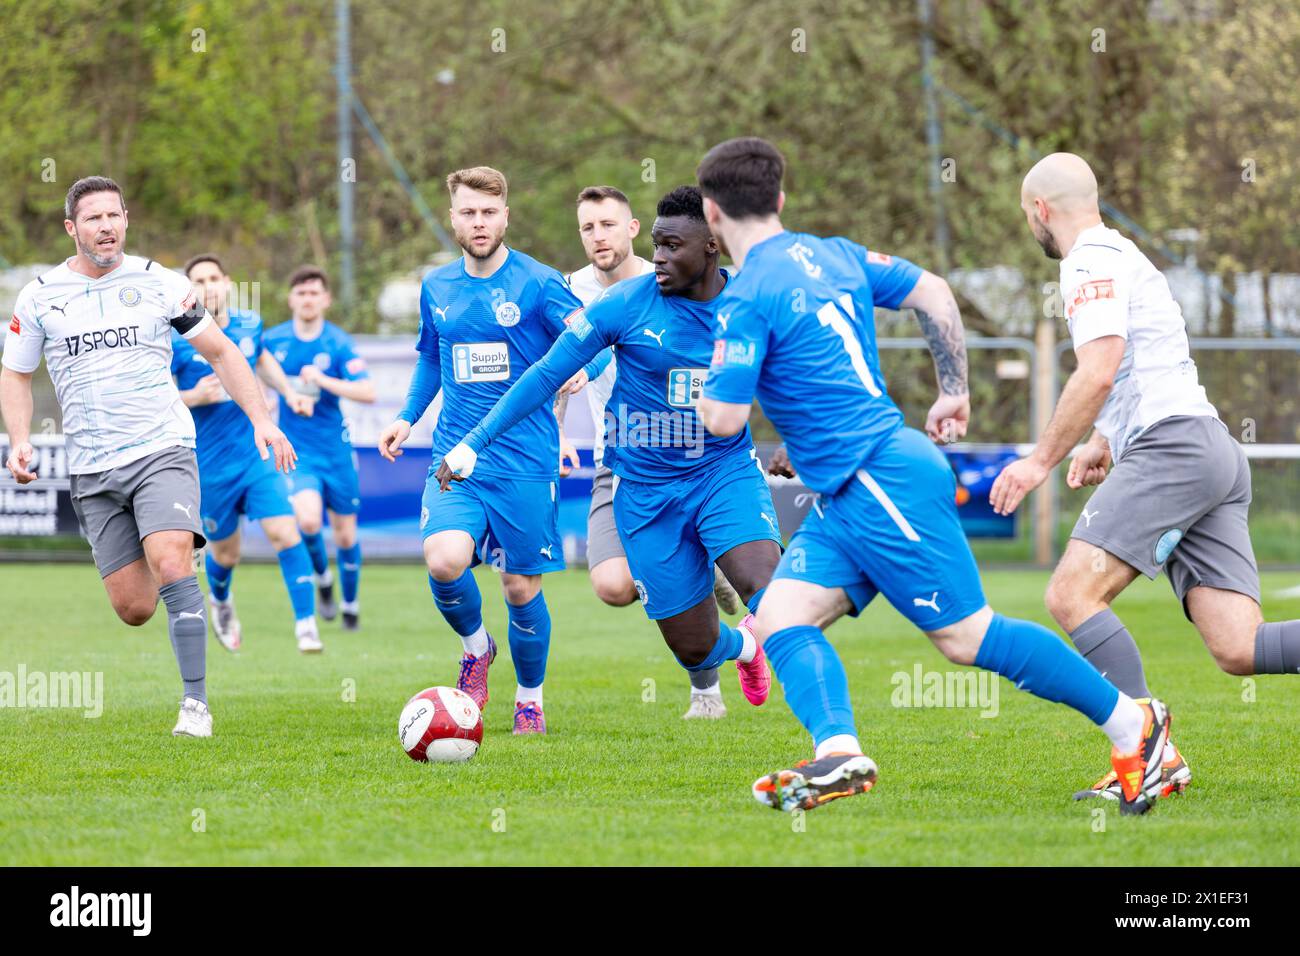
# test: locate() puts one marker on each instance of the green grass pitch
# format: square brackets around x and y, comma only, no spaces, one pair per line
[298,773]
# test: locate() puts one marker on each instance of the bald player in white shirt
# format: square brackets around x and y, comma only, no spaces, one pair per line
[1179,491]
[103,322]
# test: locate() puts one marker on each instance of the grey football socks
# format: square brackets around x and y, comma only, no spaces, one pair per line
[703,680]
[188,630]
[1277,647]
[1108,646]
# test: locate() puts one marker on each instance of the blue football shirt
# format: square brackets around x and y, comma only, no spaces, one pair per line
[223,433]
[321,439]
[796,330]
[664,345]
[484,333]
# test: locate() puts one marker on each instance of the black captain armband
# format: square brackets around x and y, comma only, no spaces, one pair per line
[191,315]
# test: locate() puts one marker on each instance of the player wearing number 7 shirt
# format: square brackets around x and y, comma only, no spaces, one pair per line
[795,329]
[103,321]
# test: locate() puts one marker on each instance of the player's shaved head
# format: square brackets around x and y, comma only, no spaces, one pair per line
[1062,180]
[1059,199]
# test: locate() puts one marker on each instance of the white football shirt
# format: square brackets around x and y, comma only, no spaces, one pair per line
[107,344]
[1110,288]
[586,287]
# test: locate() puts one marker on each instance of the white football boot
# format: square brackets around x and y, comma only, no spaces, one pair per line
[195,720]
[308,637]
[225,623]
[705,707]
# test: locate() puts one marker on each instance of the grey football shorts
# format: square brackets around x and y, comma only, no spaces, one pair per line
[603,541]
[1178,499]
[119,507]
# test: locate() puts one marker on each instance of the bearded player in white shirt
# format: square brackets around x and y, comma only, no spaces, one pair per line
[1174,486]
[103,321]
[607,227]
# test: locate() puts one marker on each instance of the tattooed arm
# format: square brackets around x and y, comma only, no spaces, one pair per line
[940,321]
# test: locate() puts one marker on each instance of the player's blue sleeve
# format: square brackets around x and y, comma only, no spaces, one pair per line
[738,352]
[428,340]
[177,358]
[352,367]
[891,277]
[557,301]
[424,386]
[597,366]
[571,351]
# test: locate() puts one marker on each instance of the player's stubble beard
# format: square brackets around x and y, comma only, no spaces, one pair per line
[1045,239]
[464,238]
[100,261]
[620,256]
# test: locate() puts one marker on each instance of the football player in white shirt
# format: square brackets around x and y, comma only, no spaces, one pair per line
[1178,493]
[103,321]
[607,227]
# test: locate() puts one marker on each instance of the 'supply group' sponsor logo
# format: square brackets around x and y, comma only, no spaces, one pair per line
[126,336]
[480,361]
[685,386]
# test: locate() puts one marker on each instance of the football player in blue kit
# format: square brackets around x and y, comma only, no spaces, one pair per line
[322,364]
[233,479]
[683,499]
[795,330]
[484,319]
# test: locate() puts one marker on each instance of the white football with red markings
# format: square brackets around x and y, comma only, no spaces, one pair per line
[440,725]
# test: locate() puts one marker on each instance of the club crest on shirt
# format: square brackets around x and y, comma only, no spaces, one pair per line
[129,296]
[247,347]
[321,360]
[507,314]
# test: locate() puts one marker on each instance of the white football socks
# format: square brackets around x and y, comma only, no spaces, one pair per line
[524,695]
[1124,725]
[713,690]
[476,643]
[839,743]
[749,648]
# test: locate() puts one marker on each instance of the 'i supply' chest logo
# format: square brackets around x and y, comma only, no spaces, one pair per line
[685,386]
[480,362]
